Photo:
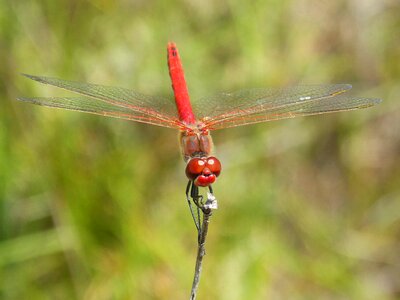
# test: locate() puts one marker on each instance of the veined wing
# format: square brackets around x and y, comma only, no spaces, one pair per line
[113,100]
[306,108]
[262,105]
[97,107]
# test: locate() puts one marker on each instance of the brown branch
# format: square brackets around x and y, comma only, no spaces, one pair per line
[201,251]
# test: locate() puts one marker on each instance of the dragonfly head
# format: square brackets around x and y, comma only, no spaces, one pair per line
[203,171]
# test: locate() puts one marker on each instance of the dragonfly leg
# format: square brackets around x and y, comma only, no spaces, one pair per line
[210,203]
[189,188]
[192,194]
[211,189]
[198,200]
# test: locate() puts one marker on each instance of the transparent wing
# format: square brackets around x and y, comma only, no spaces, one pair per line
[262,105]
[94,106]
[320,106]
[111,101]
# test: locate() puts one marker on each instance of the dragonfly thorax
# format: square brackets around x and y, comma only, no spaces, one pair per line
[196,145]
[195,142]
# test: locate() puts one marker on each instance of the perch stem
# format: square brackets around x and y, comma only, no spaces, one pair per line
[201,251]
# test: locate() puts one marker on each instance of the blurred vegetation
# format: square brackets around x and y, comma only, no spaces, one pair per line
[94,208]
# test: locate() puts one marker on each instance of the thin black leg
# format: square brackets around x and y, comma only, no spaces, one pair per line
[210,189]
[192,194]
[197,199]
[189,188]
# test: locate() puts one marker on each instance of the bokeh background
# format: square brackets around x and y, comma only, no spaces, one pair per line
[94,208]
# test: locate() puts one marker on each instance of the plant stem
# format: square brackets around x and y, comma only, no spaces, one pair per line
[201,251]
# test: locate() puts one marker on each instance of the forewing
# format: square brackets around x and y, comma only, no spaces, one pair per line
[94,106]
[261,105]
[336,103]
[140,107]
[229,104]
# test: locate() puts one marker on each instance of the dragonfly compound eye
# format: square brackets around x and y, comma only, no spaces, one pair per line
[195,167]
[203,171]
[214,165]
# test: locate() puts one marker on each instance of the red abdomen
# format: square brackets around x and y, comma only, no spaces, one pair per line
[182,99]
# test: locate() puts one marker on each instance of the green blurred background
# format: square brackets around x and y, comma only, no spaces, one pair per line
[94,208]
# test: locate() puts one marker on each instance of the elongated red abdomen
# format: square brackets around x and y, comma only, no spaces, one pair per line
[182,99]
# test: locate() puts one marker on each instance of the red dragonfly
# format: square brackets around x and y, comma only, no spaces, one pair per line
[195,120]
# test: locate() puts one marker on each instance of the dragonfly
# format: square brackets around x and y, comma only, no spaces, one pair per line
[195,120]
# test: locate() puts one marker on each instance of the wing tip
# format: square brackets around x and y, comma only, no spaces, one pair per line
[347,86]
[375,101]
[28,75]
[29,100]
[369,102]
[341,88]
[34,77]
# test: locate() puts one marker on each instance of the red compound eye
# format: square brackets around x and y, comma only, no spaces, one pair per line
[214,165]
[203,171]
[195,167]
